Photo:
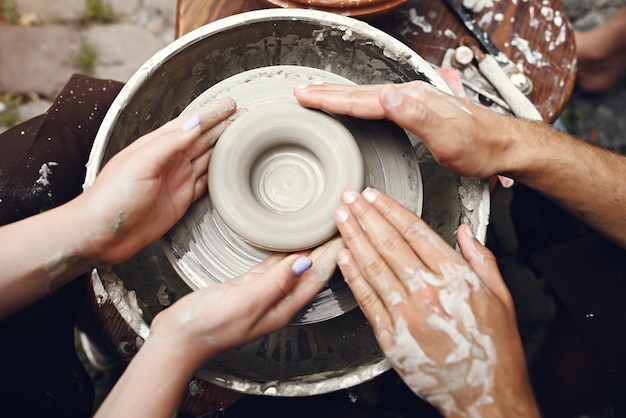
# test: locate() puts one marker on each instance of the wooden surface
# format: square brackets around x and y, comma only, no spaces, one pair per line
[528,32]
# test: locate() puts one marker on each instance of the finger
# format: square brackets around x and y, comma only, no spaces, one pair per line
[273,278]
[483,262]
[214,133]
[368,299]
[506,182]
[199,154]
[189,126]
[200,169]
[387,241]
[372,266]
[294,293]
[264,265]
[357,101]
[314,279]
[410,111]
[201,186]
[208,139]
[200,164]
[209,116]
[421,107]
[432,250]
[412,107]
[324,260]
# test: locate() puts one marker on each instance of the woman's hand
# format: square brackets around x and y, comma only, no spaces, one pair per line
[140,193]
[445,322]
[208,321]
[144,189]
[261,301]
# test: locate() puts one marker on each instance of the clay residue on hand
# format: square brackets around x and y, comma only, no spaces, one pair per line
[463,379]
[118,222]
[58,266]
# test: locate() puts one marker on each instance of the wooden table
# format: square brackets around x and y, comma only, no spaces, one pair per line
[535,34]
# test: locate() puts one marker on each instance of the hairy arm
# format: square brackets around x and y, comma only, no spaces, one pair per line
[586,180]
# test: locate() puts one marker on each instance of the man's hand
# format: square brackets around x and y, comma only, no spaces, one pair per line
[463,137]
[444,320]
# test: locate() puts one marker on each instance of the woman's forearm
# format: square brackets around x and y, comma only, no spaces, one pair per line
[153,384]
[41,253]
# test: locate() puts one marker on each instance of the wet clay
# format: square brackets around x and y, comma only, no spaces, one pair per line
[470,361]
[205,249]
[277,173]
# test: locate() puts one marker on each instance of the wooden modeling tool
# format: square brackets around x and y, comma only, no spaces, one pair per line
[518,102]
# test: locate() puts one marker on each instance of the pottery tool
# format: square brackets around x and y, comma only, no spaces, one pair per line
[491,97]
[467,18]
[451,65]
[495,66]
[518,102]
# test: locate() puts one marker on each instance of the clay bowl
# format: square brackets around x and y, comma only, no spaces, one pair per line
[363,9]
[305,358]
[277,172]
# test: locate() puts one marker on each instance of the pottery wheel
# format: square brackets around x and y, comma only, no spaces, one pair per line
[204,250]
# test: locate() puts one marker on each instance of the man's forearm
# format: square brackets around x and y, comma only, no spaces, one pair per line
[588,181]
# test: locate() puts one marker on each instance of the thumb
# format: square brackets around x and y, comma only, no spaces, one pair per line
[405,105]
[483,262]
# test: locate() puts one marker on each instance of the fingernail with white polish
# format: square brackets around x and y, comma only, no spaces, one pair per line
[191,123]
[301,265]
[342,215]
[369,195]
[348,196]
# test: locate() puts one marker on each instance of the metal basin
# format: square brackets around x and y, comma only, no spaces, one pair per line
[304,359]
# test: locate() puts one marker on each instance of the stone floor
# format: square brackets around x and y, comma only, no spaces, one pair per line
[47,41]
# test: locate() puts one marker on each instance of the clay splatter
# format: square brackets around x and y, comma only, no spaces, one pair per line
[420,21]
[470,361]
